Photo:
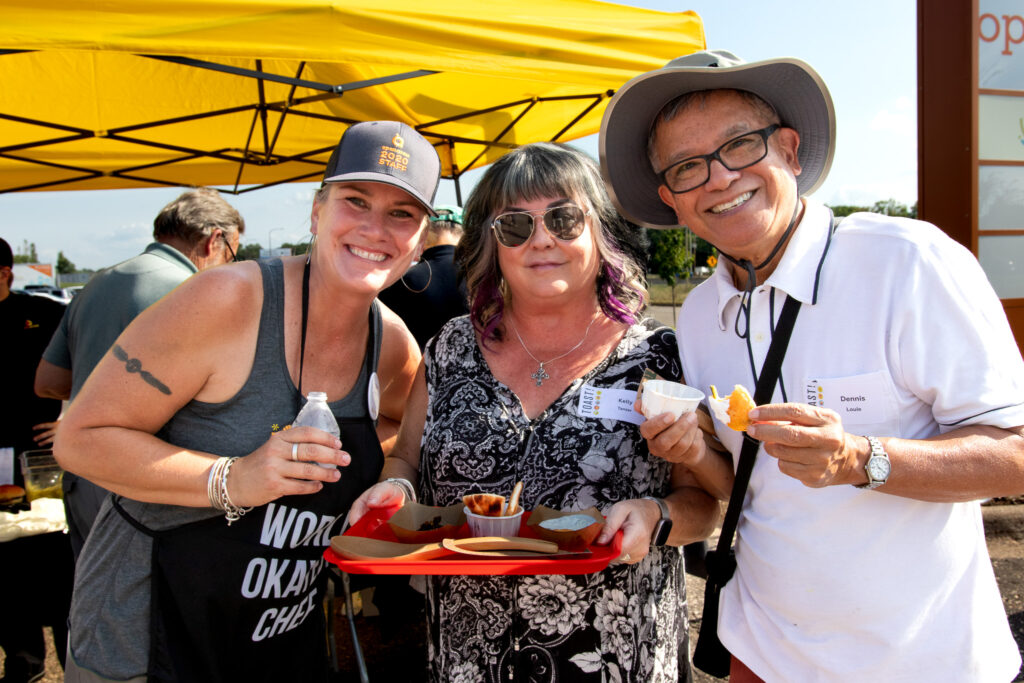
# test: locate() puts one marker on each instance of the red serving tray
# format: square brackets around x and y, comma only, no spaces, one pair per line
[373,525]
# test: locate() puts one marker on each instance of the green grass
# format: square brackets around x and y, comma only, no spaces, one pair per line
[661,294]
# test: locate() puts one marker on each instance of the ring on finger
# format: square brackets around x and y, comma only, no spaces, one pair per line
[295,452]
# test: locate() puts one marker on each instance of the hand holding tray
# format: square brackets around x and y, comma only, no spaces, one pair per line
[434,558]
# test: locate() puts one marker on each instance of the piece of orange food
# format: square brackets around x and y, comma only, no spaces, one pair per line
[486,504]
[737,407]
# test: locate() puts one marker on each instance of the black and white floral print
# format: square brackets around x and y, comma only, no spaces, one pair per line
[626,623]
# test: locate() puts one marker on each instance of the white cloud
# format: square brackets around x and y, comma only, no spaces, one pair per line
[899,119]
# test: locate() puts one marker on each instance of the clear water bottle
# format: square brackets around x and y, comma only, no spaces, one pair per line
[316,413]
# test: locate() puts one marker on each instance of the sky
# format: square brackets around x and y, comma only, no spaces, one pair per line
[866,53]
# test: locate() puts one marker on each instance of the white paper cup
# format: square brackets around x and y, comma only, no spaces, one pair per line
[481,525]
[661,396]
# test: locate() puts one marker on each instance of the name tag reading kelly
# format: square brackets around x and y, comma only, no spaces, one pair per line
[859,399]
[608,404]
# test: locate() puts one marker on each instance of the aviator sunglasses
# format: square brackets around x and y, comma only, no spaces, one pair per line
[513,229]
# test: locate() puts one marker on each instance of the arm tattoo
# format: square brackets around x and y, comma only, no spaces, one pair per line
[135,365]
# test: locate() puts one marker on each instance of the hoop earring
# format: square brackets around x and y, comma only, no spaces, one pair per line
[429,278]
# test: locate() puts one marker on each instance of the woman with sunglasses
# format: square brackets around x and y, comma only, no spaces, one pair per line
[207,565]
[556,291]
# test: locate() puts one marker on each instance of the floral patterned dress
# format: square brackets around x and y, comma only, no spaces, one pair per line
[626,623]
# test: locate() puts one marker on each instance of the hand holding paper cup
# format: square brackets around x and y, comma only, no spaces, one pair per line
[662,396]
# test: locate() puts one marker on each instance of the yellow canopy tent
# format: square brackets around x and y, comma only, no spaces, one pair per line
[248,93]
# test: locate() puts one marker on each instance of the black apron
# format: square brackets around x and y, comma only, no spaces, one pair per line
[239,603]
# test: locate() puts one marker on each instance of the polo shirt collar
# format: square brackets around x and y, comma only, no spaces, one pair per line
[169,253]
[798,271]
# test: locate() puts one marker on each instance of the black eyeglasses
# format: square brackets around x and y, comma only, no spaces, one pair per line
[231,251]
[565,222]
[736,154]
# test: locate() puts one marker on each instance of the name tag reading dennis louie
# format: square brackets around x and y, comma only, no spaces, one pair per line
[608,404]
[859,399]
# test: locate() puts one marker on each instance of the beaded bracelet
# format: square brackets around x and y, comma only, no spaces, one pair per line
[405,485]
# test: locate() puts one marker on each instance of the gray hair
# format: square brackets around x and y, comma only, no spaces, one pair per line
[194,215]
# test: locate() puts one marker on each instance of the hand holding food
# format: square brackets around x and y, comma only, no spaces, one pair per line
[732,409]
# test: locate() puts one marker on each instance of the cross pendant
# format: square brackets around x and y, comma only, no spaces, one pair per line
[540,375]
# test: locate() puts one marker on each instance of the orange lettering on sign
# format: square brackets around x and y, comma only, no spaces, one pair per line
[990,28]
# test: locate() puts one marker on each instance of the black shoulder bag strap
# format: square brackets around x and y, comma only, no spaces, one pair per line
[709,654]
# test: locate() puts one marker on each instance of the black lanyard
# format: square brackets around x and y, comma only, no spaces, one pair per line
[305,316]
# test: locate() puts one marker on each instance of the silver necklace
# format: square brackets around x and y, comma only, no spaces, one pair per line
[541,374]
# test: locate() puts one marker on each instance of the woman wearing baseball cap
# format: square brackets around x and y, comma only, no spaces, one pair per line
[206,563]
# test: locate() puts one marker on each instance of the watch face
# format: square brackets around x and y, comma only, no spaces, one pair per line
[878,468]
[661,532]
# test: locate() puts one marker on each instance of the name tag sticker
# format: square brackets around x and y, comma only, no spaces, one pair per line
[859,399]
[608,404]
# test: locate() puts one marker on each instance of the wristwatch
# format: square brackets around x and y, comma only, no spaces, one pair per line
[878,465]
[664,526]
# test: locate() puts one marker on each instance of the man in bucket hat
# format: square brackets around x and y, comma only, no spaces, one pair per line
[860,551]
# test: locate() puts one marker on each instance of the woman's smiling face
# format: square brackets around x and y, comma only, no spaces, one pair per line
[367,233]
[545,266]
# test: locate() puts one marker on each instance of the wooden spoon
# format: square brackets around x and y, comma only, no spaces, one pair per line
[499,546]
[362,548]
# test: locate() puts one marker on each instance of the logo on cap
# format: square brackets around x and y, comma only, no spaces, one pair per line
[392,156]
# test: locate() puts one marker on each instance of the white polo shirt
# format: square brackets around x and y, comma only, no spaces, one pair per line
[902,335]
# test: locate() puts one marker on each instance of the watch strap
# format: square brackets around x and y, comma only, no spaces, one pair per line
[664,526]
[665,514]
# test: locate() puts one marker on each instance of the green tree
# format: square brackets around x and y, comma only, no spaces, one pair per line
[887,207]
[891,207]
[841,210]
[64,264]
[297,249]
[669,257]
[26,253]
[248,252]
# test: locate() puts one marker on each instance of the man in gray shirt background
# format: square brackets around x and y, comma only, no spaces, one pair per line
[198,230]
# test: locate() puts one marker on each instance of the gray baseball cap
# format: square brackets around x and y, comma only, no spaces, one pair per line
[387,152]
[790,85]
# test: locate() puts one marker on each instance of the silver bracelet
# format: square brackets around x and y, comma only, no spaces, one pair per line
[232,512]
[405,485]
[213,484]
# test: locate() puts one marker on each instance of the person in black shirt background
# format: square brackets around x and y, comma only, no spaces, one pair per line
[430,293]
[38,569]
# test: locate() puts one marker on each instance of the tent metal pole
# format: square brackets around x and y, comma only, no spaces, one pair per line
[288,80]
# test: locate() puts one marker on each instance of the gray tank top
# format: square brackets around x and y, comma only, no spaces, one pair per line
[269,400]
[266,403]
[112,589]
